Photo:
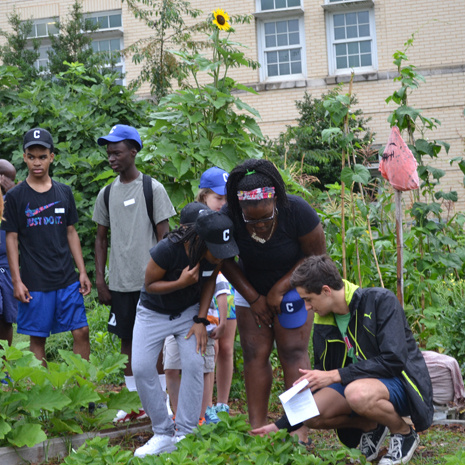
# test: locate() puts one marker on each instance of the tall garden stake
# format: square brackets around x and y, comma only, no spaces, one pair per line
[399,167]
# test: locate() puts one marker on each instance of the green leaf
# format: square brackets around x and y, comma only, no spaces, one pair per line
[356,173]
[80,396]
[245,106]
[124,400]
[452,195]
[5,428]
[28,435]
[436,172]
[45,398]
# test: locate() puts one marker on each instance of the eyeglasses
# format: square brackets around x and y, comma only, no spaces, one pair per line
[261,220]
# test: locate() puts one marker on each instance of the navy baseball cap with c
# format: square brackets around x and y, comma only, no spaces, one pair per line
[121,132]
[293,312]
[214,179]
[191,211]
[38,136]
[216,229]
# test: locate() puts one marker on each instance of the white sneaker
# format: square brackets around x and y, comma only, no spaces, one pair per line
[119,416]
[179,438]
[158,444]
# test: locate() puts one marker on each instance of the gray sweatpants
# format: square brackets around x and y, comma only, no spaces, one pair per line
[150,330]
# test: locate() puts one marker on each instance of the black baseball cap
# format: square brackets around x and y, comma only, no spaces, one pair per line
[216,229]
[38,136]
[191,211]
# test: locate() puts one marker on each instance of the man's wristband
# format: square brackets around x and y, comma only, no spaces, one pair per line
[251,303]
[199,320]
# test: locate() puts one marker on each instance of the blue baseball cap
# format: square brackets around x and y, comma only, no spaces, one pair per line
[214,179]
[121,132]
[293,312]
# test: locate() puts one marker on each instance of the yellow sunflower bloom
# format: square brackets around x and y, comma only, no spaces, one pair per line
[221,18]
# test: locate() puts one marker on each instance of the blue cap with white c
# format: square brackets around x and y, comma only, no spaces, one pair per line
[293,312]
[119,133]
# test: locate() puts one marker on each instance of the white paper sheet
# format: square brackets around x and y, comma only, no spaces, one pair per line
[299,406]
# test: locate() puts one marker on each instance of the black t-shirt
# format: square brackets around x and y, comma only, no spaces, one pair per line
[41,219]
[265,264]
[172,257]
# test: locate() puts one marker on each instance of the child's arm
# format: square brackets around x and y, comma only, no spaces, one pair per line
[199,329]
[76,252]
[101,252]
[155,284]
[222,301]
[20,291]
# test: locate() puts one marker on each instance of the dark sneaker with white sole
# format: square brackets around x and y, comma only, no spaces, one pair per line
[371,442]
[401,448]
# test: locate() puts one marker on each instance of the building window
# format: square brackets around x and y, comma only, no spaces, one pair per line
[43,27]
[277,4]
[106,20]
[351,40]
[108,38]
[280,37]
[112,47]
[42,62]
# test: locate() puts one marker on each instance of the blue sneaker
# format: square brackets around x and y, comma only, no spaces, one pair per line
[7,379]
[222,407]
[211,416]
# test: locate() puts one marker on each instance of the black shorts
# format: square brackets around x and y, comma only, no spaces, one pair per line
[123,313]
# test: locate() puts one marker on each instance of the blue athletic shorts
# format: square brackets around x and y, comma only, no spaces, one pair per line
[52,312]
[397,394]
[8,304]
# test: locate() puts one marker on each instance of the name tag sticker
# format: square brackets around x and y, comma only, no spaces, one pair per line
[129,202]
[59,210]
[207,273]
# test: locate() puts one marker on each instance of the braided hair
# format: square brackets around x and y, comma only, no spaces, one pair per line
[249,175]
[197,246]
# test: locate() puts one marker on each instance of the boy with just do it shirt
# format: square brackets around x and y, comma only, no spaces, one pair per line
[41,243]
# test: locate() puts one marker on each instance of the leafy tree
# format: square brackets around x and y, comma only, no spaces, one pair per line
[167,20]
[17,49]
[72,44]
[304,144]
[204,125]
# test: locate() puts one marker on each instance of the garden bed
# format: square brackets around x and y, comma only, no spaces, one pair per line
[60,447]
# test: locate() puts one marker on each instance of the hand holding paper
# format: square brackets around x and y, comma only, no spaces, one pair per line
[299,405]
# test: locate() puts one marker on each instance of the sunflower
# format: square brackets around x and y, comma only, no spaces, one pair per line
[221,19]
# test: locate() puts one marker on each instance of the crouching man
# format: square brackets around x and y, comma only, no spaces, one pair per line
[369,372]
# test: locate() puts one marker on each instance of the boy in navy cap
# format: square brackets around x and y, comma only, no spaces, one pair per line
[136,210]
[39,218]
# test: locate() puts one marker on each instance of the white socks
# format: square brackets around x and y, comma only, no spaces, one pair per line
[130,383]
[162,379]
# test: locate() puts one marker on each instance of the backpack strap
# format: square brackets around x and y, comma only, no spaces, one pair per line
[106,198]
[148,194]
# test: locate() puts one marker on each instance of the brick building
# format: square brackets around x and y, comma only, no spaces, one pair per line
[311,45]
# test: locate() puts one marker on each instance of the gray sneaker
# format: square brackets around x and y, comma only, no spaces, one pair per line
[401,448]
[371,442]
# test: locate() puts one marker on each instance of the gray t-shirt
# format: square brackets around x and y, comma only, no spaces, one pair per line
[132,234]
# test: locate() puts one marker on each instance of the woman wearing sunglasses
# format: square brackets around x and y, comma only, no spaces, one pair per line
[274,231]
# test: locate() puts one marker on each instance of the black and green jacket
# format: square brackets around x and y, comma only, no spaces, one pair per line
[384,346]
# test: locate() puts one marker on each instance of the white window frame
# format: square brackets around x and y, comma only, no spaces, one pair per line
[110,33]
[281,14]
[98,14]
[121,62]
[344,7]
[47,22]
